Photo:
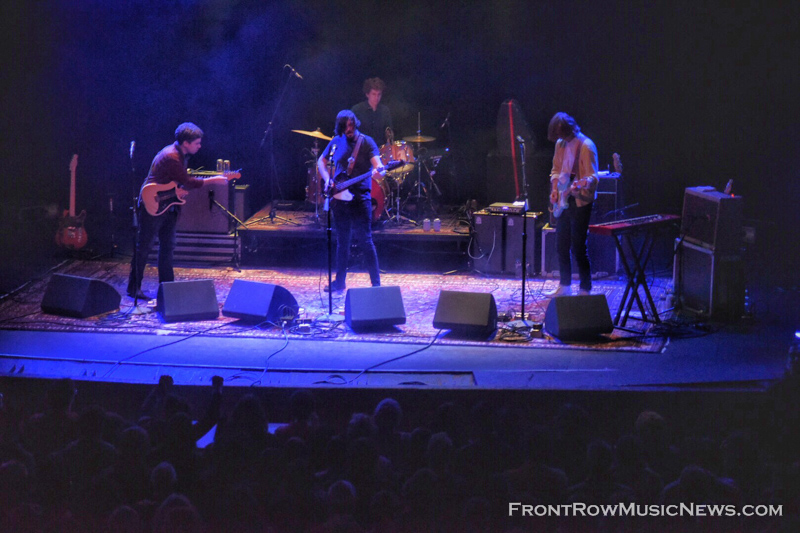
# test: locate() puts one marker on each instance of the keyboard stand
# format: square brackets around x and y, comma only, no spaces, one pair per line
[634,266]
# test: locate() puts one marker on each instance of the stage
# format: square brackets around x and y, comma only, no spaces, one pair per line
[134,345]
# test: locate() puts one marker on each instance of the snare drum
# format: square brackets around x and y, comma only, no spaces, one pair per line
[398,151]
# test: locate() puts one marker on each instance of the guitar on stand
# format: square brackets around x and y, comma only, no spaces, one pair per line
[71,233]
[157,198]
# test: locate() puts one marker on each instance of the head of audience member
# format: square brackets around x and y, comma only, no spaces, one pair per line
[387,415]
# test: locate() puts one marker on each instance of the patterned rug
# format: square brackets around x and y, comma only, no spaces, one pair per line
[420,293]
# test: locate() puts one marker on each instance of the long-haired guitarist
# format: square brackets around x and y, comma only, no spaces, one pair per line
[169,165]
[353,154]
[573,190]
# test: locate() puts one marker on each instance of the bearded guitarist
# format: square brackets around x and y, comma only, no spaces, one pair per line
[351,154]
[573,190]
[169,165]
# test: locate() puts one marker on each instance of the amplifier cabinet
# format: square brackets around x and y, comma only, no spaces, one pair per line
[499,243]
[712,219]
[602,251]
[201,215]
[708,283]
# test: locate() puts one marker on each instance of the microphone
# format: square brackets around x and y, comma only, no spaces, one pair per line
[333,150]
[446,121]
[520,139]
[133,145]
[293,70]
[211,199]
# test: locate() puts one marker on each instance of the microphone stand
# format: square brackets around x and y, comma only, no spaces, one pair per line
[330,317]
[522,323]
[135,262]
[236,256]
[273,178]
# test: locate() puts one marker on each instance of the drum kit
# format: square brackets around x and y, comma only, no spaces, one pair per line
[387,198]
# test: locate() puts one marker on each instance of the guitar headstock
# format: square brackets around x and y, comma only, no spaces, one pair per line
[73,164]
[617,164]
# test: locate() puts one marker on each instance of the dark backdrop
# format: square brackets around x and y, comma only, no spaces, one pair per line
[687,93]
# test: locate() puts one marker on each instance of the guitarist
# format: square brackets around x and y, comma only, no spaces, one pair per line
[574,183]
[169,165]
[352,154]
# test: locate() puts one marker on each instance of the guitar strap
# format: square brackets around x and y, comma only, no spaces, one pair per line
[352,161]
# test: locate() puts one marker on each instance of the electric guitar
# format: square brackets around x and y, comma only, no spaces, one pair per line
[71,233]
[338,189]
[157,198]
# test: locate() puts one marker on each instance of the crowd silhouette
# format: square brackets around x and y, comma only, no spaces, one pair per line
[451,467]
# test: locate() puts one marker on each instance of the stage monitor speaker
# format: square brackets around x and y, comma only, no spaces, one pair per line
[374,308]
[712,219]
[253,301]
[201,215]
[79,297]
[183,301]
[578,317]
[466,313]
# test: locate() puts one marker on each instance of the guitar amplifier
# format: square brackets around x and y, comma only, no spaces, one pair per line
[708,283]
[201,215]
[499,241]
[712,219]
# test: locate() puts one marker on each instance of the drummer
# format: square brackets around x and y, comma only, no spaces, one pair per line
[375,117]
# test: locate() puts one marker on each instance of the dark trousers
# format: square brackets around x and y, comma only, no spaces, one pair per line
[571,232]
[353,219]
[150,226]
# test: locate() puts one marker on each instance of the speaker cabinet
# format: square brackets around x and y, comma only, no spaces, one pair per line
[708,283]
[712,219]
[253,301]
[79,297]
[200,215]
[374,308]
[183,301]
[499,240]
[466,313]
[602,252]
[578,317]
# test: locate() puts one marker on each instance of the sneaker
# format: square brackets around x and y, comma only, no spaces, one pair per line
[139,295]
[562,290]
[584,292]
[334,287]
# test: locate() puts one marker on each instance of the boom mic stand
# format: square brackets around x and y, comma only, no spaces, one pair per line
[237,260]
[269,133]
[135,196]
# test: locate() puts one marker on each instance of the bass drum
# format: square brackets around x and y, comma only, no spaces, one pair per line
[314,187]
[379,192]
[398,151]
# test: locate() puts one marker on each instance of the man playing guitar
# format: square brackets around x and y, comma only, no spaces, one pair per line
[574,183]
[352,154]
[169,165]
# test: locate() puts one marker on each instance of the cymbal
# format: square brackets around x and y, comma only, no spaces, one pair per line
[316,134]
[419,139]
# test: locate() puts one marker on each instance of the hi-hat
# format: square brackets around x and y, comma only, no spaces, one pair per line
[316,134]
[419,139]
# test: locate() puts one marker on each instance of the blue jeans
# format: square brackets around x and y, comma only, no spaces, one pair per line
[353,219]
[571,232]
[150,226]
